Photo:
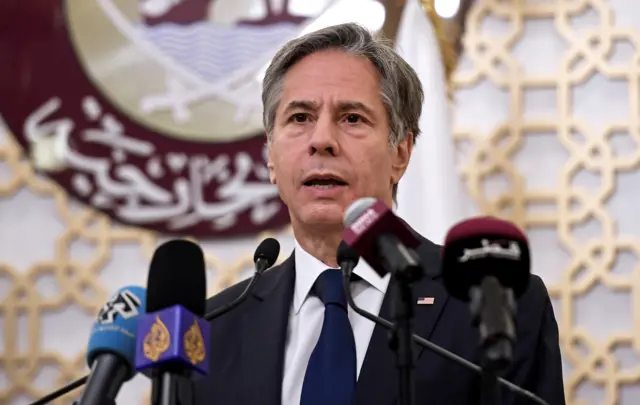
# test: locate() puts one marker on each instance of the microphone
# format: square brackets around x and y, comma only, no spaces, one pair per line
[483,247]
[348,259]
[385,242]
[486,262]
[382,239]
[172,341]
[112,345]
[264,257]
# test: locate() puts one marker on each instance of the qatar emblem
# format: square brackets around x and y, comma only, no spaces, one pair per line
[150,110]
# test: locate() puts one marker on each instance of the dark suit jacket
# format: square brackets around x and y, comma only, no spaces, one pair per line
[248,346]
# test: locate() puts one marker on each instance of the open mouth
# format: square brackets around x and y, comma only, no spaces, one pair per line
[325,182]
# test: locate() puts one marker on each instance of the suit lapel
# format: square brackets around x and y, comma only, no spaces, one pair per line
[431,287]
[378,380]
[263,335]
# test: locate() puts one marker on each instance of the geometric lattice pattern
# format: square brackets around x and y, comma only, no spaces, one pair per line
[59,262]
[548,120]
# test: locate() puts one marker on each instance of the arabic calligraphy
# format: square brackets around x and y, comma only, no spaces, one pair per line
[121,173]
[491,249]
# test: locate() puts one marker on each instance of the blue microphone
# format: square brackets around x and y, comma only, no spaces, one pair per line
[112,346]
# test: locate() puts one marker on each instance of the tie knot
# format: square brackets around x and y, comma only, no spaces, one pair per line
[329,288]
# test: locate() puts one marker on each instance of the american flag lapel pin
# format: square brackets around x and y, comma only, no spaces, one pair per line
[426,300]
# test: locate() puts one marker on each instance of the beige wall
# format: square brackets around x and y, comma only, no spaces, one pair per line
[547,118]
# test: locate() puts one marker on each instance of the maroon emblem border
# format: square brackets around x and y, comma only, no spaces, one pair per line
[44,87]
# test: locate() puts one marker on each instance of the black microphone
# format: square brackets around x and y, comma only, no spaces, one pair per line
[264,257]
[172,338]
[347,259]
[486,262]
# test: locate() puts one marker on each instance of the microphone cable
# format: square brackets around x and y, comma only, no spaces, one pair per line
[265,256]
[61,391]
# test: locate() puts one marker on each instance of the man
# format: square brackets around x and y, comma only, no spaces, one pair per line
[341,113]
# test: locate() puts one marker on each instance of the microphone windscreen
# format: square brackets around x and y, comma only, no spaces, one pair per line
[268,249]
[177,276]
[356,209]
[485,246]
[114,330]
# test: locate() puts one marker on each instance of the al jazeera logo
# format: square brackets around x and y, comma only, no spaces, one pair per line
[194,344]
[158,341]
[152,110]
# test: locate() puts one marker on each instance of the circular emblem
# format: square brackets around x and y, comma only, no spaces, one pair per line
[154,105]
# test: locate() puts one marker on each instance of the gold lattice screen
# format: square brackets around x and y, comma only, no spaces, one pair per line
[547,117]
[547,123]
[59,261]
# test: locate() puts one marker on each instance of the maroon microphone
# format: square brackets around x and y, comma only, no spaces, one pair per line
[380,237]
[480,247]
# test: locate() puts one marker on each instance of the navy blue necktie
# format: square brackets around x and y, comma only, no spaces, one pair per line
[331,373]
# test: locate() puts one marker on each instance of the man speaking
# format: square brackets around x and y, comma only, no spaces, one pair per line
[341,112]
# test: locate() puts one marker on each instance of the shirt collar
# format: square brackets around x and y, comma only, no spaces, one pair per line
[308,268]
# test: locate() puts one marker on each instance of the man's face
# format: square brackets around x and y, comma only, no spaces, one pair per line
[330,143]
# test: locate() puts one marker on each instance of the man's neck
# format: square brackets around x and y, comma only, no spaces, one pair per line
[323,246]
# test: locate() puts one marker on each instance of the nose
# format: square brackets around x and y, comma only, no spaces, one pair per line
[324,139]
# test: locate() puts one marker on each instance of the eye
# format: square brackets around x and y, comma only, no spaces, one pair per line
[299,118]
[354,118]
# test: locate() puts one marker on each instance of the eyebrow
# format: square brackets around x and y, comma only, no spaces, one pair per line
[343,106]
[300,105]
[355,105]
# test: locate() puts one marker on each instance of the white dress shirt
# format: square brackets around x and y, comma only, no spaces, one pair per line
[307,315]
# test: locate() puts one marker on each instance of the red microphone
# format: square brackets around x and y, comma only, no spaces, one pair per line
[480,247]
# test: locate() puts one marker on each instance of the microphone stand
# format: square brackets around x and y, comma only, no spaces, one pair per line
[405,268]
[347,269]
[400,341]
[105,402]
[493,309]
[62,391]
[172,389]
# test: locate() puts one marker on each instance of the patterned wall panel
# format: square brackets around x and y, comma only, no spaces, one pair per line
[59,261]
[547,123]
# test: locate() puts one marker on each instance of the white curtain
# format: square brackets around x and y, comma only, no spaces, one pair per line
[430,195]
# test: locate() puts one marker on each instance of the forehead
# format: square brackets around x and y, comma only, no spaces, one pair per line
[332,76]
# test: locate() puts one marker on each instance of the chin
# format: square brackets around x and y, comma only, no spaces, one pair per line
[322,215]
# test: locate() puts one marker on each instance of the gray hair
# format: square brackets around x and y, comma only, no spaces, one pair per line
[400,87]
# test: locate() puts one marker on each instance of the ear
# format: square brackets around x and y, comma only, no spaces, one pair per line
[271,166]
[401,156]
